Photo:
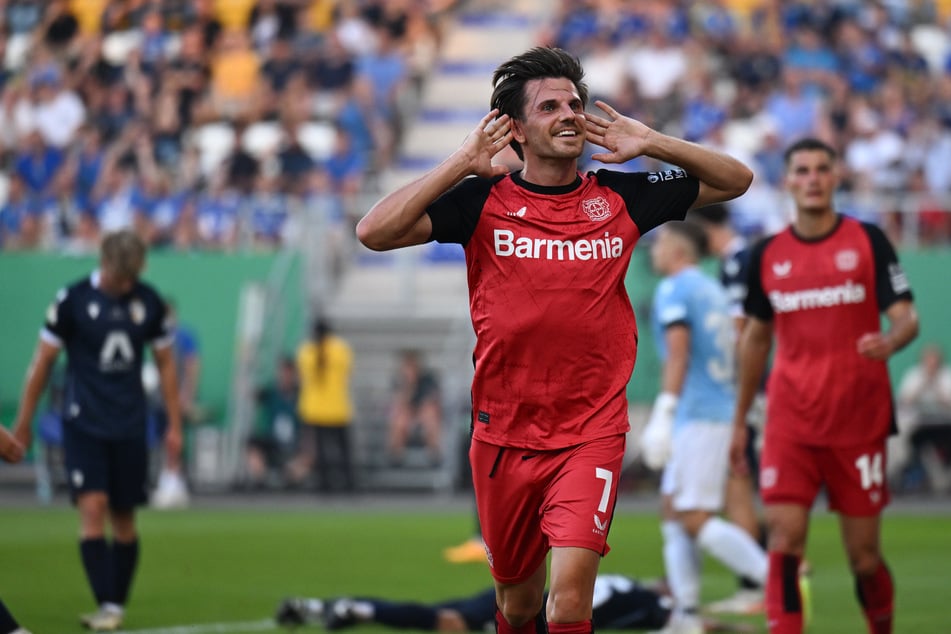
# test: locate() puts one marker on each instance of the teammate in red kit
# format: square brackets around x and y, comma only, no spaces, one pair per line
[818,288]
[547,250]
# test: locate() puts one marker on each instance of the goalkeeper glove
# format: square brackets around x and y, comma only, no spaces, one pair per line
[656,439]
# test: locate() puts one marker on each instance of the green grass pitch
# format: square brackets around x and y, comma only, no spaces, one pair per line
[221,566]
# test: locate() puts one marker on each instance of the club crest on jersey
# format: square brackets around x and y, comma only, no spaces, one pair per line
[597,209]
[782,269]
[93,310]
[137,311]
[847,260]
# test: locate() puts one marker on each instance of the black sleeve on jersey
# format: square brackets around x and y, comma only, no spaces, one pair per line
[891,283]
[756,303]
[653,198]
[163,326]
[454,215]
[59,316]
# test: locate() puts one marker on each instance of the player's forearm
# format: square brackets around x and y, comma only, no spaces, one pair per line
[716,169]
[753,356]
[37,376]
[169,386]
[903,328]
[672,379]
[394,221]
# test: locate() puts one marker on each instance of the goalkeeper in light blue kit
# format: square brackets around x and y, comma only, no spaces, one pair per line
[689,430]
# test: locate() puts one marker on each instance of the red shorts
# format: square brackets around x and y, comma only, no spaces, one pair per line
[530,501]
[854,476]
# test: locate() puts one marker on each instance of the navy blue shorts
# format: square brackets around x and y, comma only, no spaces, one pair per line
[117,467]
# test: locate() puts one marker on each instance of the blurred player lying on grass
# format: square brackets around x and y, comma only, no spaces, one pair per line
[620,603]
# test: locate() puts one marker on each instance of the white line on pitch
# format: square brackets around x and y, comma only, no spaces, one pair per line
[209,628]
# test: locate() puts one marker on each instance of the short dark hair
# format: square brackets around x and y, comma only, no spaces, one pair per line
[510,77]
[808,144]
[716,214]
[693,233]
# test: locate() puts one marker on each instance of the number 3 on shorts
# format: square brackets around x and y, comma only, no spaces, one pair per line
[870,470]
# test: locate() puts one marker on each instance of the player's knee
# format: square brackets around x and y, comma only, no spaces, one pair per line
[516,616]
[693,521]
[864,561]
[568,606]
[521,609]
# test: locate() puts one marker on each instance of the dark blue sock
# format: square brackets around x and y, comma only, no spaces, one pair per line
[7,622]
[404,615]
[96,562]
[125,558]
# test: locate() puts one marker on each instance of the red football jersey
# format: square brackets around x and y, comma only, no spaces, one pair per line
[556,337]
[822,295]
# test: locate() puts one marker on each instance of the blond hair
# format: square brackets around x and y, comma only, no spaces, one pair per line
[123,253]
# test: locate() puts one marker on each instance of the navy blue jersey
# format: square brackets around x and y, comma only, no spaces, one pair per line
[620,603]
[734,268]
[104,338]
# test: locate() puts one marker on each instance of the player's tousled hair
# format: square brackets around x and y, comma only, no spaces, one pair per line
[808,144]
[541,62]
[693,235]
[123,253]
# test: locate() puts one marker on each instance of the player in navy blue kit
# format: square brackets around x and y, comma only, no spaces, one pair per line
[104,322]
[620,603]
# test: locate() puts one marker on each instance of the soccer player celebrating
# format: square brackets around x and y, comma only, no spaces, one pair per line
[104,322]
[818,288]
[547,250]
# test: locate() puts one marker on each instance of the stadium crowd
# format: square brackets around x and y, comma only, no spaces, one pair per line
[203,124]
[227,124]
[873,79]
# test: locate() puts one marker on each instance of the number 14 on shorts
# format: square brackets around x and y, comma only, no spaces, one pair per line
[871,470]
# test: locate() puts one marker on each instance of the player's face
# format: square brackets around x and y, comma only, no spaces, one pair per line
[552,126]
[661,251]
[811,179]
[114,283]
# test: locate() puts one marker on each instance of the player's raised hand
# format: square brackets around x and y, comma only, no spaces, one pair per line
[10,448]
[624,138]
[491,136]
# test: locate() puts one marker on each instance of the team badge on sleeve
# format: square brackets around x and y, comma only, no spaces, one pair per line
[898,278]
